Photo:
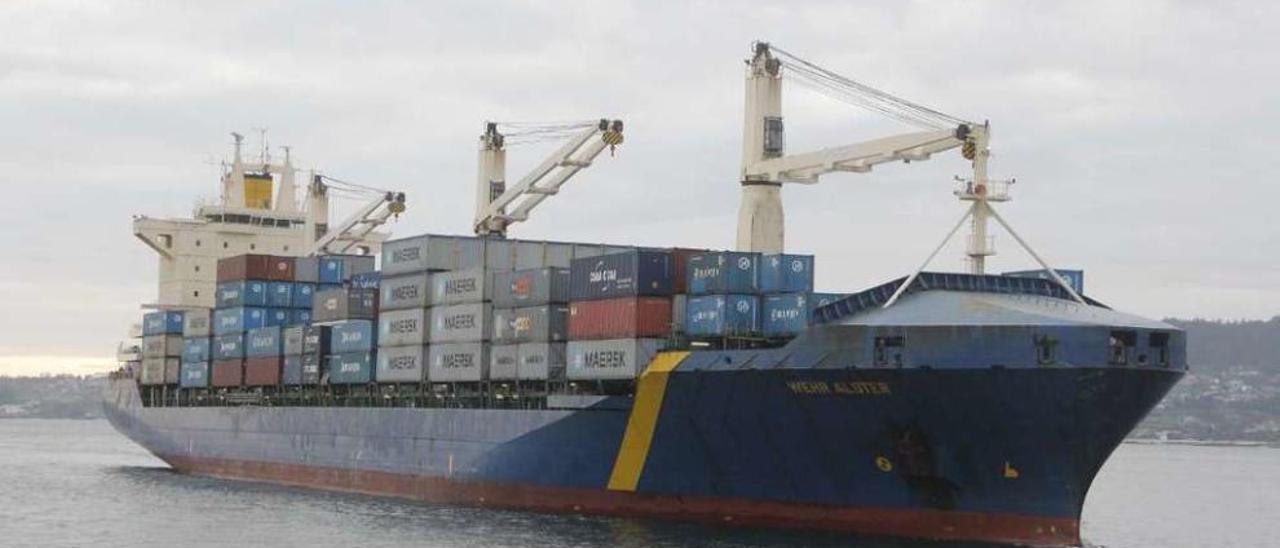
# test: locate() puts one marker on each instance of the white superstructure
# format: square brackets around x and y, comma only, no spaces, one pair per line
[258,212]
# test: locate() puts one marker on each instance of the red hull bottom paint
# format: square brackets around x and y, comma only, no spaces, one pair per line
[924,524]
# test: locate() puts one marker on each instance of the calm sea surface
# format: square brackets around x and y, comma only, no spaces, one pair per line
[78,483]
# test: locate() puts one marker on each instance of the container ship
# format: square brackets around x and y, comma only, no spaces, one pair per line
[674,383]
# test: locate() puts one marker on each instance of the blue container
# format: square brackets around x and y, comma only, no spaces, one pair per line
[784,314]
[724,272]
[786,273]
[263,342]
[631,273]
[292,373]
[350,368]
[162,323]
[352,336]
[298,316]
[722,315]
[335,269]
[195,349]
[228,347]
[241,293]
[278,317]
[238,320]
[194,375]
[1074,278]
[366,280]
[280,294]
[303,295]
[331,270]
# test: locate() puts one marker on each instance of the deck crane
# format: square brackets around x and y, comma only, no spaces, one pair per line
[766,166]
[341,238]
[497,206]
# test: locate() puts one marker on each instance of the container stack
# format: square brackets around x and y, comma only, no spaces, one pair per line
[253,292]
[161,348]
[304,349]
[530,325]
[461,322]
[724,301]
[619,313]
[402,328]
[349,312]
[264,356]
[786,282]
[197,327]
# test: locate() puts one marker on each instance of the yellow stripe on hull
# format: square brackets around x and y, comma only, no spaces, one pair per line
[643,421]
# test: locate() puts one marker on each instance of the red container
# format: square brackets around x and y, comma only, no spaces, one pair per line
[262,371]
[227,373]
[243,267]
[280,269]
[680,266]
[624,318]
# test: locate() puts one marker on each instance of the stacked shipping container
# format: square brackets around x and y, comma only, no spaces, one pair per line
[619,313]
[162,348]
[530,325]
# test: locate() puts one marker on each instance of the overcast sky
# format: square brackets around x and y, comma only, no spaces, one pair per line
[1143,135]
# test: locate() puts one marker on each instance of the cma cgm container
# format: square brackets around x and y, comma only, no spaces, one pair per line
[722,315]
[352,336]
[637,272]
[241,293]
[432,253]
[345,304]
[197,323]
[784,273]
[403,327]
[458,362]
[785,314]
[194,375]
[624,318]
[162,322]
[405,292]
[531,324]
[723,272]
[226,373]
[461,323]
[401,363]
[238,320]
[614,359]
[350,368]
[264,371]
[532,287]
[460,286]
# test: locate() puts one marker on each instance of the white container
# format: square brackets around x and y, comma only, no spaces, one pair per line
[405,292]
[401,364]
[458,362]
[611,359]
[460,287]
[460,323]
[197,323]
[503,362]
[403,327]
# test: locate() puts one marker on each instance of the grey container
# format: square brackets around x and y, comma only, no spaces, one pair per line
[401,363]
[293,340]
[459,362]
[345,304]
[679,304]
[197,323]
[612,359]
[499,255]
[530,287]
[542,254]
[541,361]
[431,252]
[404,292]
[503,362]
[306,269]
[152,371]
[403,327]
[162,346]
[531,324]
[311,369]
[460,287]
[460,323]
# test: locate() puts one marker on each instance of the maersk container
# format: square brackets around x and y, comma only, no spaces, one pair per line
[531,287]
[196,349]
[345,304]
[404,292]
[291,371]
[613,359]
[541,361]
[461,323]
[316,340]
[228,347]
[152,373]
[306,269]
[195,375]
[292,337]
[161,346]
[460,287]
[280,294]
[353,336]
[262,371]
[299,316]
[430,252]
[624,318]
[226,373]
[403,327]
[350,368]
[722,315]
[785,273]
[197,323]
[784,314]
[172,370]
[238,320]
[531,324]
[241,293]
[401,363]
[724,272]
[335,269]
[636,272]
[504,362]
[303,297]
[499,254]
[1074,278]
[263,342]
[458,362]
[162,322]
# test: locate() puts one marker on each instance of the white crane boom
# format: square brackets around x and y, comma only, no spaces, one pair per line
[351,231]
[498,207]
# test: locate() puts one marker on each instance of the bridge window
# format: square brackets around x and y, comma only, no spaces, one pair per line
[888,351]
[224,245]
[1046,350]
[1120,346]
[1159,343]
[167,240]
[252,247]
